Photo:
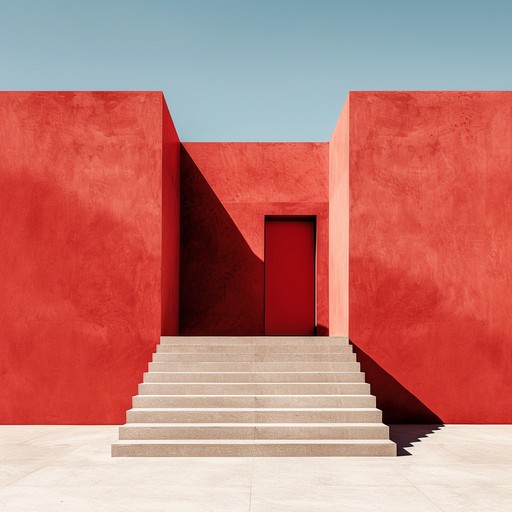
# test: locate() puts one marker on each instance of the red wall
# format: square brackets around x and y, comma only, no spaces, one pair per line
[81,251]
[170,225]
[430,252]
[227,189]
[89,234]
[338,225]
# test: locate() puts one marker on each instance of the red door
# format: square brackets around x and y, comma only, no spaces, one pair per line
[290,277]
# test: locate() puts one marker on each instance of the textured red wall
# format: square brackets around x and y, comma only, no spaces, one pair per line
[80,252]
[170,225]
[338,225]
[227,189]
[430,246]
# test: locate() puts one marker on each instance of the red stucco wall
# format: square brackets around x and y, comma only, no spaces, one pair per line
[338,225]
[430,246]
[227,189]
[170,225]
[89,232]
[80,252]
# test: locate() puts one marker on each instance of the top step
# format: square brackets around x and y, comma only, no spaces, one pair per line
[254,340]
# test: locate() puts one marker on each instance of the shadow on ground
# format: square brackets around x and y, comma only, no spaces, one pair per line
[405,435]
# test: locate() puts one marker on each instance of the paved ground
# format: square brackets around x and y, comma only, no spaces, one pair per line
[449,468]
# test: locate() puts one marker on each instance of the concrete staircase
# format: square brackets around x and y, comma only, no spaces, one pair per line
[253,396]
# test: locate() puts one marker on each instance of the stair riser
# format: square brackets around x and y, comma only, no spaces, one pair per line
[255,349]
[254,389]
[254,367]
[258,358]
[268,341]
[220,416]
[377,431]
[147,401]
[252,450]
[253,377]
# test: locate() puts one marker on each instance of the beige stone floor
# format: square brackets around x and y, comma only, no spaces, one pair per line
[69,468]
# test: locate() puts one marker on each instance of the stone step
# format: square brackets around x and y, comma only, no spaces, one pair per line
[254,367]
[260,415]
[225,357]
[250,388]
[305,341]
[144,431]
[324,348]
[254,448]
[244,401]
[243,377]
[254,396]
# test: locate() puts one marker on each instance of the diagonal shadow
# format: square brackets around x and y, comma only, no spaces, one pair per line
[221,290]
[408,417]
[398,405]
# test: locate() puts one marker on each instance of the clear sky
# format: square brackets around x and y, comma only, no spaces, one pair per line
[263,70]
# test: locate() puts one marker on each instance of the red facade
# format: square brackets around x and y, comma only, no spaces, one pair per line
[88,251]
[113,233]
[430,245]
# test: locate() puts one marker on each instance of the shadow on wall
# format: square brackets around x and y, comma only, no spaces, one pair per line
[405,435]
[221,290]
[398,405]
[433,336]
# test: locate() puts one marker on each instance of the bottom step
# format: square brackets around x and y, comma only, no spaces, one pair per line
[254,448]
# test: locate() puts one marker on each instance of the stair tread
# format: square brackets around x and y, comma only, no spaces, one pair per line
[247,409]
[253,396]
[305,349]
[257,372]
[256,337]
[252,425]
[270,364]
[238,353]
[254,441]
[250,383]
[253,382]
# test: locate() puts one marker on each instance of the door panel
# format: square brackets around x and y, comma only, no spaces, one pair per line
[290,277]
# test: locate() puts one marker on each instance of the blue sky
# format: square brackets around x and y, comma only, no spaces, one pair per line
[265,70]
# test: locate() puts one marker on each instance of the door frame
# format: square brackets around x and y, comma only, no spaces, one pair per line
[275,217]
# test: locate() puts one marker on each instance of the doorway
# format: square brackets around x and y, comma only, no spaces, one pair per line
[290,275]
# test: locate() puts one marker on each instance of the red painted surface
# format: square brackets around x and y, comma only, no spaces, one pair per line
[89,235]
[430,246]
[227,189]
[170,225]
[81,251]
[290,277]
[338,225]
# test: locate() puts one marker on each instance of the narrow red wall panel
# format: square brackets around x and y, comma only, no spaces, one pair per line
[227,189]
[170,225]
[430,245]
[81,252]
[338,225]
[290,277]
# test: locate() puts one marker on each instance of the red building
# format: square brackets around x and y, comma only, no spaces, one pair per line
[397,233]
